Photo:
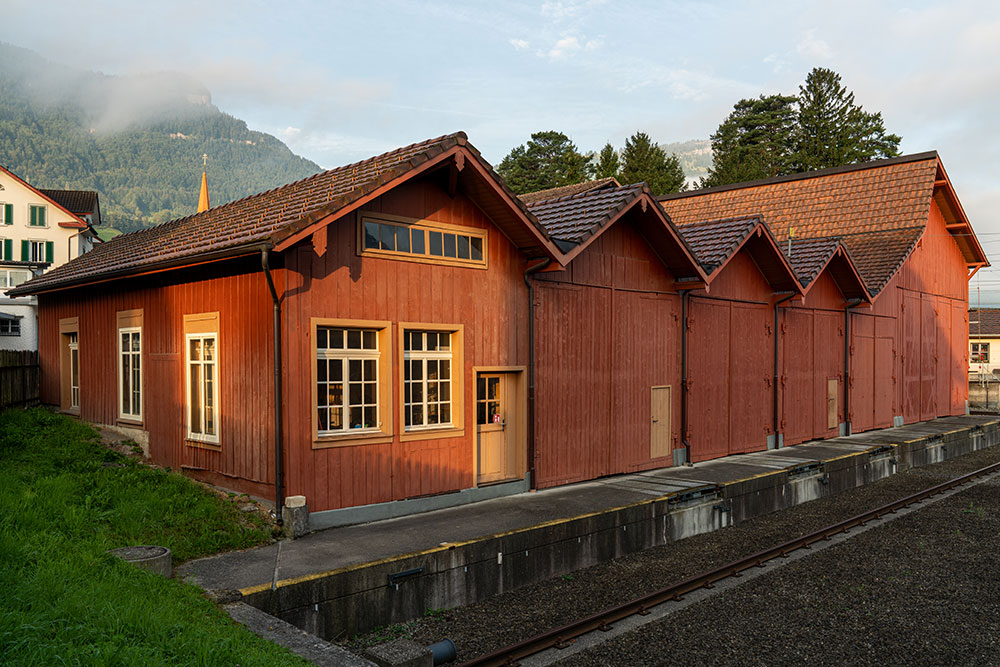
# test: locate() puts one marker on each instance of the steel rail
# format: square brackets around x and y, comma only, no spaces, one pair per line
[561,637]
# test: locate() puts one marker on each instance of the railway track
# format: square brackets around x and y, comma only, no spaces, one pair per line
[564,636]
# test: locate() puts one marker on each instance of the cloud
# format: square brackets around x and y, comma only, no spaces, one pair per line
[811,47]
[519,44]
[564,47]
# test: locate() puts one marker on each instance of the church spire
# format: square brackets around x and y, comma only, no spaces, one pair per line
[203,204]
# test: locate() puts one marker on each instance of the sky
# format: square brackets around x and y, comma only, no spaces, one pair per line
[342,81]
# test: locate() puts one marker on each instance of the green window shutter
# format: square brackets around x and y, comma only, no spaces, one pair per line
[32,216]
[8,214]
[25,252]
[8,249]
[41,217]
[49,246]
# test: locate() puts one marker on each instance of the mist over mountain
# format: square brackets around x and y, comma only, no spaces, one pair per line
[137,140]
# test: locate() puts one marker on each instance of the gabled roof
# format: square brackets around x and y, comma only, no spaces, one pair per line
[570,219]
[810,257]
[567,190]
[281,217]
[576,220]
[878,208]
[76,223]
[76,201]
[715,242]
[984,322]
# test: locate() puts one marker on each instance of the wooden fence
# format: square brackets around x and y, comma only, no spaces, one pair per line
[19,378]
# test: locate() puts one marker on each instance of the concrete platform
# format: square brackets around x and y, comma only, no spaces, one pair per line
[346,580]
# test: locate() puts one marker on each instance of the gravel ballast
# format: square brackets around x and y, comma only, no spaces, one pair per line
[517,615]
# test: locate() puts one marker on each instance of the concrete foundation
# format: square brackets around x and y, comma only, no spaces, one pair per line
[680,502]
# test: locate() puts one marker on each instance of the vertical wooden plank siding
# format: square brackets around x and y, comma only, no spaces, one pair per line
[236,289]
[328,279]
[709,378]
[606,330]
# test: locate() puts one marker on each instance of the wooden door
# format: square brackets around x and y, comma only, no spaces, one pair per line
[494,411]
[659,426]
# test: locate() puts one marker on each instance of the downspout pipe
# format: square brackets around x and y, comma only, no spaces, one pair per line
[774,405]
[685,294]
[279,463]
[847,363]
[535,268]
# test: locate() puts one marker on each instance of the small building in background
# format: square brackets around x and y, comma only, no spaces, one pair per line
[984,342]
[39,230]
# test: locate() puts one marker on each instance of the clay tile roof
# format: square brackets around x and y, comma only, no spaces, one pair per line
[572,219]
[984,322]
[809,256]
[245,222]
[713,242]
[567,190]
[879,208]
[75,201]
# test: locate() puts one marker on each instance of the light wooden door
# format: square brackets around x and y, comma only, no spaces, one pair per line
[497,461]
[659,426]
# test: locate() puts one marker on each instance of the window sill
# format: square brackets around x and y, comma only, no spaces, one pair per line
[130,421]
[432,434]
[201,444]
[351,439]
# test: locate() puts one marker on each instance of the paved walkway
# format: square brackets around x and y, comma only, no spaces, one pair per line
[346,548]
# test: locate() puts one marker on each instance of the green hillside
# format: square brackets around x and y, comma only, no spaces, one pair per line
[137,140]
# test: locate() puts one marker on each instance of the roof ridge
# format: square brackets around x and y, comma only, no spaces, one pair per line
[805,175]
[756,217]
[589,193]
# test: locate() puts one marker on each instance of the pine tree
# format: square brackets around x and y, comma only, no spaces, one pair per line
[548,160]
[607,165]
[643,160]
[832,130]
[753,142]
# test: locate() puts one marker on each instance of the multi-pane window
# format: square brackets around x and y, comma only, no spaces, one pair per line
[74,371]
[427,390]
[425,242]
[10,327]
[488,400]
[202,386]
[347,380]
[37,251]
[130,372]
[36,216]
[980,353]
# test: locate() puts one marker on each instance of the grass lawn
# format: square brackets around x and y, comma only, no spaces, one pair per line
[63,600]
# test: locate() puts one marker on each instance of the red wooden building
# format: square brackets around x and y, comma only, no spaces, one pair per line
[404,328]
[903,226]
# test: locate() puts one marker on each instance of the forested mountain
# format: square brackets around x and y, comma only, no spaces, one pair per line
[137,140]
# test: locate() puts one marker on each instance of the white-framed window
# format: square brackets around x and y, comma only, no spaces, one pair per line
[427,379]
[203,386]
[13,277]
[74,371]
[347,380]
[6,213]
[980,353]
[10,327]
[130,372]
[36,215]
[6,249]
[36,251]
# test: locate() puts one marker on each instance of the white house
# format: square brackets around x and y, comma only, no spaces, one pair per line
[39,229]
